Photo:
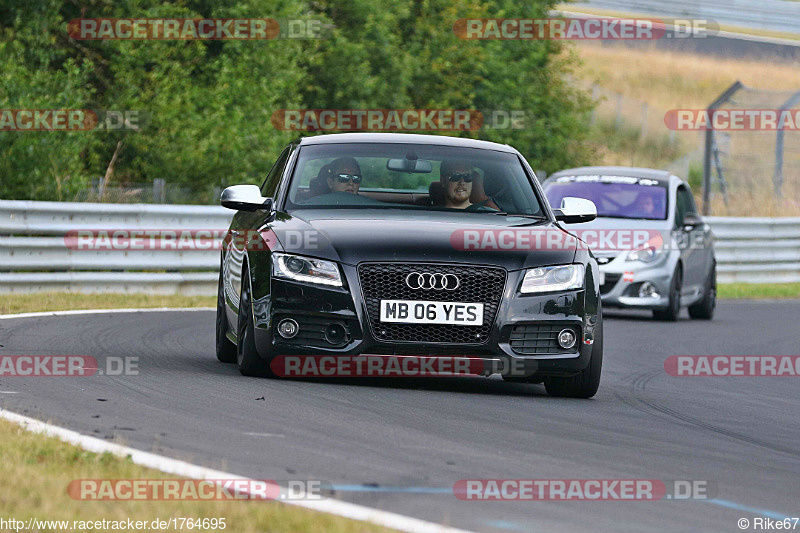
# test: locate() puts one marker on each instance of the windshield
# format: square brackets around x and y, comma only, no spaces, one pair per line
[614,196]
[411,176]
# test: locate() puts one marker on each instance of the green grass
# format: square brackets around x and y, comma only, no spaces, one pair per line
[63,301]
[741,291]
[622,145]
[36,471]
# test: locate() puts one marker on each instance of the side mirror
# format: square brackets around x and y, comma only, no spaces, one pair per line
[576,210]
[244,198]
[691,221]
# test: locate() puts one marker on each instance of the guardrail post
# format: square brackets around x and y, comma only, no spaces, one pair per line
[709,145]
[159,191]
[777,178]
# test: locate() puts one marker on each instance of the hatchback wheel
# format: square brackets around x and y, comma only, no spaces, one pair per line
[673,309]
[704,309]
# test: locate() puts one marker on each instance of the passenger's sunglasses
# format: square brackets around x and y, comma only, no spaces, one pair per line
[344,178]
[455,177]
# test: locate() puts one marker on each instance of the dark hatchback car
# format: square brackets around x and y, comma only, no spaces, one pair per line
[387,245]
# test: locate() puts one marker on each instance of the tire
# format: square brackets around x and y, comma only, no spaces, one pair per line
[247,357]
[587,381]
[670,314]
[704,309]
[226,350]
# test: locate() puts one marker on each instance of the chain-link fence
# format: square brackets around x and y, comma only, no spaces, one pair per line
[752,154]
[157,192]
[623,111]
[642,124]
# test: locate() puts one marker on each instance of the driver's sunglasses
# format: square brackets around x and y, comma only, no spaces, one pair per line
[344,178]
[455,177]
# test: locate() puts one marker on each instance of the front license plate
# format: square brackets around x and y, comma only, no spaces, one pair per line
[417,312]
[602,278]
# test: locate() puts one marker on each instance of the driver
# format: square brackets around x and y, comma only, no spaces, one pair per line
[646,205]
[344,175]
[456,178]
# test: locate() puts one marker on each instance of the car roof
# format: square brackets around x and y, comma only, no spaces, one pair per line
[662,176]
[405,138]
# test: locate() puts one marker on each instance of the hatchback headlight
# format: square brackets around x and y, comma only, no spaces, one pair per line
[645,255]
[551,279]
[306,269]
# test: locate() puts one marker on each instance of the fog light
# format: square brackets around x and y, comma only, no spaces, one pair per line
[336,334]
[648,290]
[566,339]
[288,328]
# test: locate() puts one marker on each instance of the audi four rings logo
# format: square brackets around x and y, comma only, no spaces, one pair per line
[429,282]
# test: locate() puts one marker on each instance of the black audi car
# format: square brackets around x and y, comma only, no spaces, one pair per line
[396,244]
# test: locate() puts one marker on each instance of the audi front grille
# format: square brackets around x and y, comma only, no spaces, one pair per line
[385,281]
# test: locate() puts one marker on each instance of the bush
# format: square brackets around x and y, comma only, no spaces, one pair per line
[208,103]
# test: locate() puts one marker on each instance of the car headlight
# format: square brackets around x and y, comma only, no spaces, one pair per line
[645,255]
[551,279]
[306,269]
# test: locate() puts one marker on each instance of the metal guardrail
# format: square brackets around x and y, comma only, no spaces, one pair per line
[57,218]
[34,255]
[757,250]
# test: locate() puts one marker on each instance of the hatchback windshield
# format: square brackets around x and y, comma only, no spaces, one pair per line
[411,176]
[614,196]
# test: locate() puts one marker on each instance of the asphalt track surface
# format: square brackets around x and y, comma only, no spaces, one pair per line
[401,445]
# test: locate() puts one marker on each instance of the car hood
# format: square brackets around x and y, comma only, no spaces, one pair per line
[353,236]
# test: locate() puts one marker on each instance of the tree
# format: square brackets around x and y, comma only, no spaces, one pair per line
[208,103]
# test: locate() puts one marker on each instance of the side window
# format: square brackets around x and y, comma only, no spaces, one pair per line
[684,203]
[274,177]
[691,207]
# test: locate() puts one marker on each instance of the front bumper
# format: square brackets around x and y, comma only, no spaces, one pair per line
[310,304]
[624,279]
